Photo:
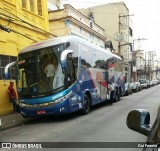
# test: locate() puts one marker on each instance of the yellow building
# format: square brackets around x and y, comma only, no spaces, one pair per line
[22,22]
[69,21]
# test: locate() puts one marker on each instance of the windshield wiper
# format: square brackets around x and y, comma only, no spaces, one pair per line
[58,88]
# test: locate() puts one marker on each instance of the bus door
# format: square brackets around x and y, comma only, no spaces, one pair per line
[104,78]
[101,76]
[104,86]
[72,82]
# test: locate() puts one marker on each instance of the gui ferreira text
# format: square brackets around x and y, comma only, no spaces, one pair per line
[145,145]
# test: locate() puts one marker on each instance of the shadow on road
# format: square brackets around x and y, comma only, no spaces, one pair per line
[66,117]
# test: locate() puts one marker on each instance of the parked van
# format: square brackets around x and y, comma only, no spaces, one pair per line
[144,83]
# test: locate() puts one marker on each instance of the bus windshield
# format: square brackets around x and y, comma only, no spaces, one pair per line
[40,72]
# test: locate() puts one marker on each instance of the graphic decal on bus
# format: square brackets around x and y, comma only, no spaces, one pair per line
[65,74]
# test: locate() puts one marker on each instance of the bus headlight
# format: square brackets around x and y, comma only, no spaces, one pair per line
[22,105]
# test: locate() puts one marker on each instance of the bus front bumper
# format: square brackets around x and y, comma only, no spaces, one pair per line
[61,108]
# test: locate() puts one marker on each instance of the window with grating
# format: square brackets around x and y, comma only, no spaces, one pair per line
[12,59]
[1,73]
[4,60]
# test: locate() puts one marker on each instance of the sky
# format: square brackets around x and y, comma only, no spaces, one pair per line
[146,20]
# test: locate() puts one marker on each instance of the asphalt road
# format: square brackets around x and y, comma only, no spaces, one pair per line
[105,123]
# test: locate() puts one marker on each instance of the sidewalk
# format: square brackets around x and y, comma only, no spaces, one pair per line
[11,120]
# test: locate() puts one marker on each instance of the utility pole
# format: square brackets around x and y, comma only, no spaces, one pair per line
[119,42]
[134,56]
[151,54]
[120,39]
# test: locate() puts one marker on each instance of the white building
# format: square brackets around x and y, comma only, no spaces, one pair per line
[69,21]
[115,19]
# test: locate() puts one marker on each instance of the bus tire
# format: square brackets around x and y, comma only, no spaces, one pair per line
[87,105]
[117,98]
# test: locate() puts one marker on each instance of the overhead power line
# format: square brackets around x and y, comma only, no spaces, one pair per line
[23,21]
[11,30]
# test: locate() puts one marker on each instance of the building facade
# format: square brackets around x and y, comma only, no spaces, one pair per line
[69,21]
[146,66]
[115,19]
[22,22]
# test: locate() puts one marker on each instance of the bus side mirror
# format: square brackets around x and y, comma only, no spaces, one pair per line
[139,121]
[65,54]
[6,70]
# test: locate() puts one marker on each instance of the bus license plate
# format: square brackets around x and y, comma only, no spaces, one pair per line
[41,112]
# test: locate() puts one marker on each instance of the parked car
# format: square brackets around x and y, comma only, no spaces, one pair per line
[148,84]
[151,83]
[155,82]
[136,86]
[139,121]
[143,83]
[128,89]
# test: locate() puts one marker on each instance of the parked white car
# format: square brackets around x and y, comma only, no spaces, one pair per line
[143,83]
[136,86]
[128,89]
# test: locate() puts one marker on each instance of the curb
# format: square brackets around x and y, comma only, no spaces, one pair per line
[14,124]
[10,126]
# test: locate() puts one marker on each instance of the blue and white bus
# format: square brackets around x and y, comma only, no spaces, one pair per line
[66,74]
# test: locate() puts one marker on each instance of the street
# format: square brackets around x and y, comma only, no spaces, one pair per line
[105,123]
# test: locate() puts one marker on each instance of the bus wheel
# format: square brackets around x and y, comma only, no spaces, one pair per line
[87,105]
[117,97]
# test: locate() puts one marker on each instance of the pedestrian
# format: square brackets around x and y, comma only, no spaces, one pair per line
[12,96]
[111,89]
